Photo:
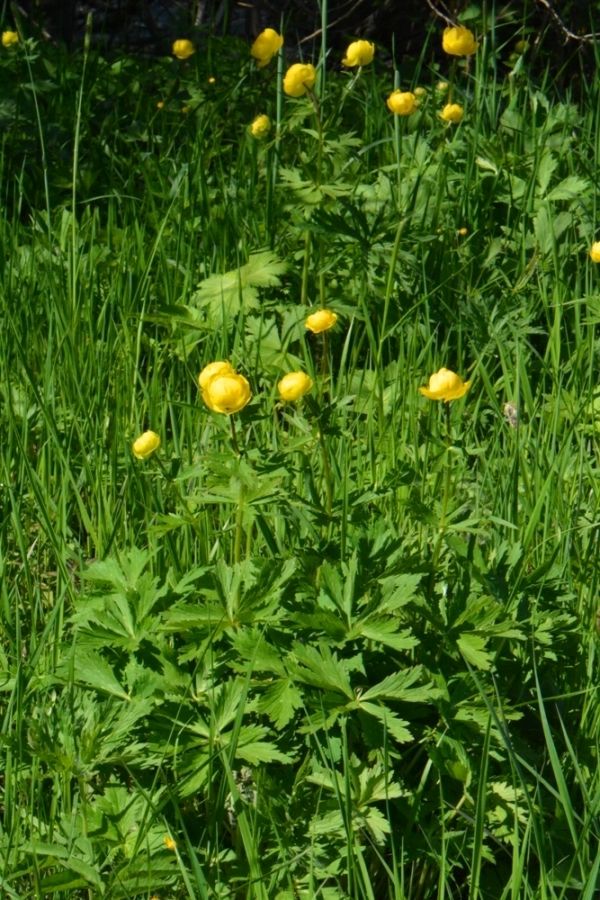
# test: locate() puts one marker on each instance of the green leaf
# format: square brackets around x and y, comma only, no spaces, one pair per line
[224,296]
[261,751]
[392,724]
[321,669]
[280,702]
[384,631]
[399,686]
[472,647]
[89,668]
[571,188]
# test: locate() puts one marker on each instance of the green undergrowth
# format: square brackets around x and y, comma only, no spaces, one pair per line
[357,658]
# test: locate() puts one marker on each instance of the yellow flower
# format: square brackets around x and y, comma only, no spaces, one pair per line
[266,45]
[595,251]
[160,104]
[9,38]
[212,370]
[183,48]
[445,385]
[294,385]
[452,112]
[212,79]
[260,127]
[462,232]
[420,91]
[322,320]
[145,445]
[299,78]
[170,844]
[458,41]
[359,53]
[227,393]
[402,103]
[442,87]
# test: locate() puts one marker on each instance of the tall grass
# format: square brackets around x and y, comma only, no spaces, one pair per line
[359,657]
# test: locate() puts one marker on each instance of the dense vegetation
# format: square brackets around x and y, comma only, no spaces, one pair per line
[341,646]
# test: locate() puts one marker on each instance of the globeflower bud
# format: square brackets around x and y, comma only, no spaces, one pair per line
[595,252]
[266,45]
[227,393]
[445,385]
[359,53]
[402,103]
[458,41]
[452,112]
[298,79]
[260,127]
[294,385]
[9,38]
[212,370]
[322,320]
[145,445]
[183,48]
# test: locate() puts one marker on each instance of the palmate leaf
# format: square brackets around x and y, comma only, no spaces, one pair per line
[400,686]
[395,726]
[224,296]
[280,701]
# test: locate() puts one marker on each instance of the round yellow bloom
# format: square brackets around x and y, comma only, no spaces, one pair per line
[442,87]
[266,45]
[9,38]
[212,370]
[145,445]
[299,78]
[294,385]
[595,251]
[183,48]
[359,53]
[212,79]
[402,103]
[458,41]
[322,320]
[170,844]
[260,127]
[452,112]
[462,232]
[227,393]
[420,91]
[445,385]
[160,104]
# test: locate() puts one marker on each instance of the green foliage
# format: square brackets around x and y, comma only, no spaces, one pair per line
[344,646]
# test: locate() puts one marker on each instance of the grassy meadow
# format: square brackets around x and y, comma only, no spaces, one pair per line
[336,645]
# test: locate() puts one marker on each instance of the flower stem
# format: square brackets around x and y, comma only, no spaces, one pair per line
[234,441]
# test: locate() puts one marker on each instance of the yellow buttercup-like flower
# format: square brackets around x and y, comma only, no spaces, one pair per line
[170,844]
[183,48]
[260,127]
[294,385]
[452,112]
[458,41]
[402,103]
[298,79]
[359,53]
[9,38]
[227,393]
[212,370]
[445,385]
[595,251]
[322,320]
[266,45]
[145,445]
